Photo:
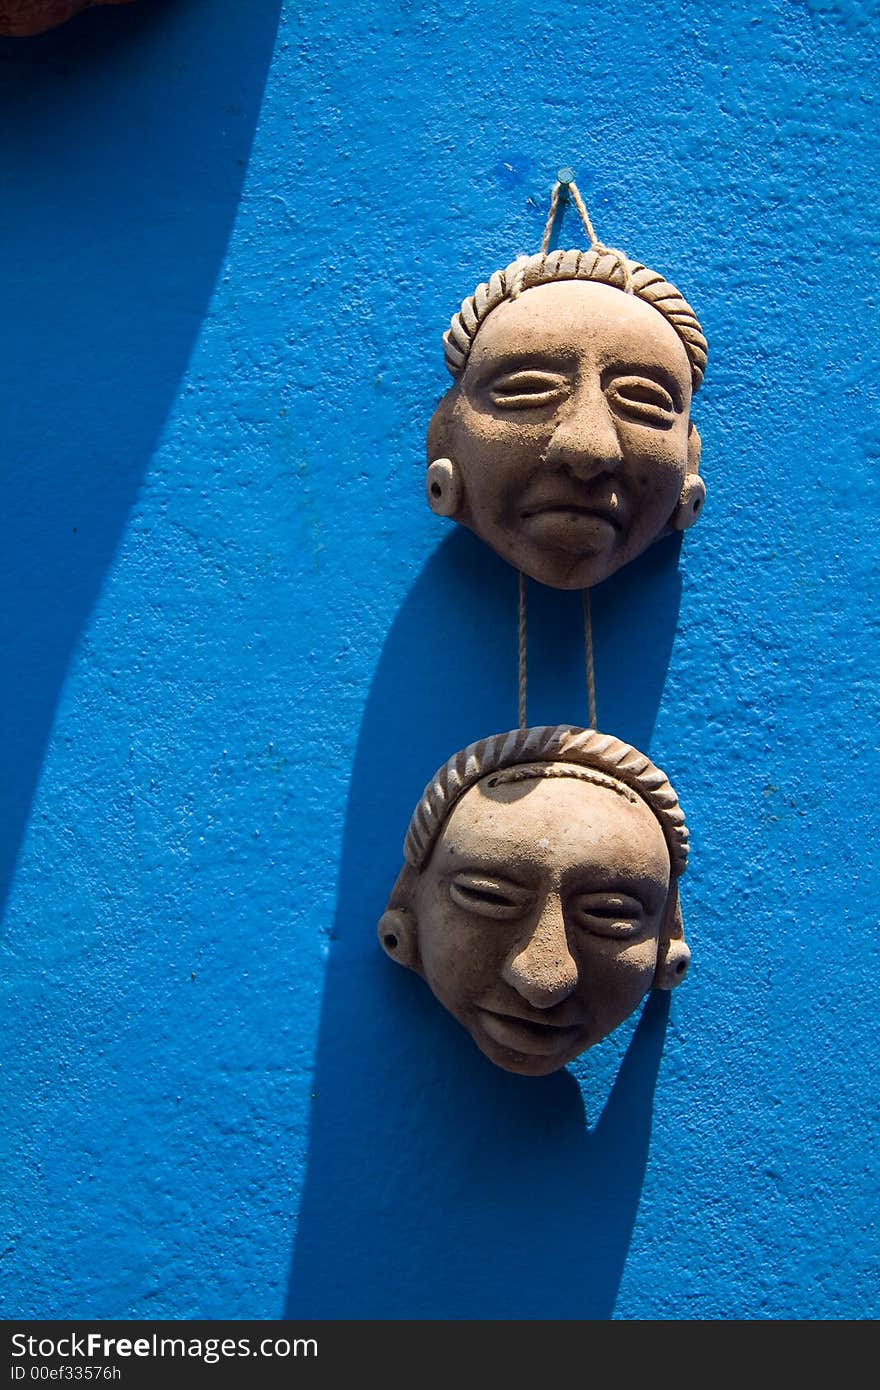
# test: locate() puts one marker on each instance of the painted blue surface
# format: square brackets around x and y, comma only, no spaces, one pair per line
[237,644]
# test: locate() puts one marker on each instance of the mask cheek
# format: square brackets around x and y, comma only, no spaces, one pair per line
[650,452]
[496,481]
[458,956]
[615,984]
[650,480]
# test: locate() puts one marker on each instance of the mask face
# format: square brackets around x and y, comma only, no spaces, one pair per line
[23,17]
[538,915]
[569,431]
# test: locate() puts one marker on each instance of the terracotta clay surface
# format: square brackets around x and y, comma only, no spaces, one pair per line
[20,18]
[539,898]
[566,442]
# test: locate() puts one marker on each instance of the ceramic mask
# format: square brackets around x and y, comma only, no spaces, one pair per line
[539,899]
[566,442]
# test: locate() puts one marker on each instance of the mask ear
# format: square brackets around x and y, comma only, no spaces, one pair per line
[444,488]
[676,960]
[399,939]
[673,952]
[690,501]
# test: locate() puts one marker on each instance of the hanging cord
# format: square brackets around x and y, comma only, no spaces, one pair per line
[585,216]
[522,650]
[588,648]
[551,218]
[565,186]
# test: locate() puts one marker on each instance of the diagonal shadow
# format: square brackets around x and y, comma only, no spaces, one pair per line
[437,1185]
[122,165]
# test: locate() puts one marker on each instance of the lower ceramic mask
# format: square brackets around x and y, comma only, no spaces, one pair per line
[539,894]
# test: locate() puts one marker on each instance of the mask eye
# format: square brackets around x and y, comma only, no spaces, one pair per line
[642,399]
[528,390]
[488,896]
[614,915]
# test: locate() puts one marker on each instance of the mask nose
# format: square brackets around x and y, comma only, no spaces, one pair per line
[543,970]
[585,441]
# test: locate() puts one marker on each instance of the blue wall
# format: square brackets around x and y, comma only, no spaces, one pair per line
[237,644]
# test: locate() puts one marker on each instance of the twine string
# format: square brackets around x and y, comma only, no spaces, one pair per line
[585,216]
[551,218]
[588,649]
[588,652]
[556,198]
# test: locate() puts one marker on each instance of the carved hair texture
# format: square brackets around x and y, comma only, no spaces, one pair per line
[606,266]
[561,743]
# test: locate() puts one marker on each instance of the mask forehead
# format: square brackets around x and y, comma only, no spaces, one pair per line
[576,316]
[554,825]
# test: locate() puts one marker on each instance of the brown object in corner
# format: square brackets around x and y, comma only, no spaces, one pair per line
[539,898]
[21,18]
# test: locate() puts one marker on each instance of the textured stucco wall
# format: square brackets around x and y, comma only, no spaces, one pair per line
[237,644]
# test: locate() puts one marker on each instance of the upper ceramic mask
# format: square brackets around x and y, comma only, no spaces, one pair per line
[539,897]
[566,442]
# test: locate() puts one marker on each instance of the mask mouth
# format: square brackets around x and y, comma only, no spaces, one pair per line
[566,504]
[574,509]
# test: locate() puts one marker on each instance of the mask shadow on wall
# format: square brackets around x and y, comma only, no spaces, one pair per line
[123,161]
[438,1185]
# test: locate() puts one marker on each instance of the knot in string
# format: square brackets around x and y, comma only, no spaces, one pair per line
[567,186]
